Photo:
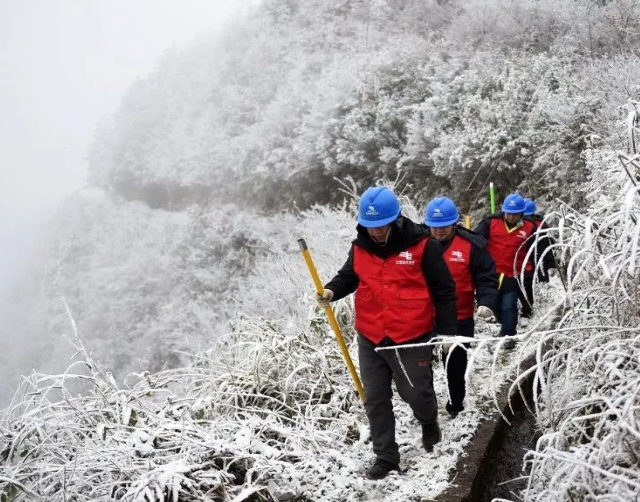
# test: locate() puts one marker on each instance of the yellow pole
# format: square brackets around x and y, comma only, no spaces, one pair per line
[467,221]
[332,318]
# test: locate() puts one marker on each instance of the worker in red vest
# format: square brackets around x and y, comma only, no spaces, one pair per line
[525,292]
[402,285]
[474,273]
[549,266]
[509,235]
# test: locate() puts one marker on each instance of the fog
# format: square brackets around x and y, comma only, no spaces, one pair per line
[66,64]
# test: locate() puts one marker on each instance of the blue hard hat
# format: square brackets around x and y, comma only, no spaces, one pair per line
[529,207]
[441,212]
[513,203]
[378,207]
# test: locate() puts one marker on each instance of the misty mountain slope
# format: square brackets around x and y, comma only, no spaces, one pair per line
[301,92]
[144,283]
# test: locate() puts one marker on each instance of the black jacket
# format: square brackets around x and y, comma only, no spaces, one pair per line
[406,233]
[483,268]
[544,241]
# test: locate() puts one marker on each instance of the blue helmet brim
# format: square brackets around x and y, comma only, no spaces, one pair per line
[445,223]
[378,223]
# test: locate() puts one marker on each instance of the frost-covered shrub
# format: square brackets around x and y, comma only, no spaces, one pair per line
[581,26]
[447,94]
[587,376]
[217,430]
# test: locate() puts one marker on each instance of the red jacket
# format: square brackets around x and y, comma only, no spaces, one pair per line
[392,298]
[458,258]
[508,247]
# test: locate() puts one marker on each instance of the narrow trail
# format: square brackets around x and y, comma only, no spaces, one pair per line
[492,466]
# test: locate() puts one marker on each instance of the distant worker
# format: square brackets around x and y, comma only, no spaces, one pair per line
[402,287]
[548,261]
[525,291]
[509,236]
[474,273]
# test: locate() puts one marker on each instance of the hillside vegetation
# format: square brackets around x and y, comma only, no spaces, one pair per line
[448,94]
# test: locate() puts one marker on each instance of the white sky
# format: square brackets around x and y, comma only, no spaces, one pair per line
[64,64]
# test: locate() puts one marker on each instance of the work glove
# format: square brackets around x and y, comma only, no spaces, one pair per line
[551,272]
[323,300]
[444,348]
[484,312]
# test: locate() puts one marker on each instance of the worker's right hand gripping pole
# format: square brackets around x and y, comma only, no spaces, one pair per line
[332,318]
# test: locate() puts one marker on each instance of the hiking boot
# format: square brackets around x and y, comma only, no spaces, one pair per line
[509,343]
[430,436]
[453,410]
[380,469]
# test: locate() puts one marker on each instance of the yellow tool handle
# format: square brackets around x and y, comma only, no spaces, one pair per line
[332,318]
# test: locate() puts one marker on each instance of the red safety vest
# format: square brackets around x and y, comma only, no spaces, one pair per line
[392,298]
[458,258]
[504,244]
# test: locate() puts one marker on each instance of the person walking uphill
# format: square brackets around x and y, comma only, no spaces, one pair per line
[549,266]
[509,235]
[474,273]
[525,293]
[401,285]
[548,261]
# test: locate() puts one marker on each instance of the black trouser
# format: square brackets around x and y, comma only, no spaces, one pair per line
[377,370]
[456,365]
[526,296]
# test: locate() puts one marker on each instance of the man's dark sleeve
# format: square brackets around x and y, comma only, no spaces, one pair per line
[542,250]
[483,228]
[485,278]
[346,281]
[544,243]
[442,288]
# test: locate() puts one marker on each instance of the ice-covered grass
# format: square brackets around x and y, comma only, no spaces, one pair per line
[271,415]
[588,367]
